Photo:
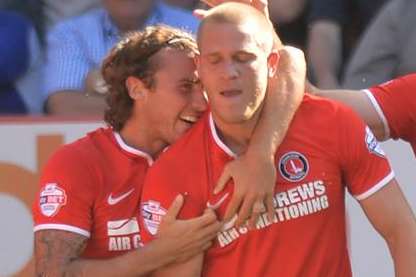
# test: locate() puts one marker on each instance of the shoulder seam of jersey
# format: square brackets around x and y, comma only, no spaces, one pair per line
[376,187]
[379,111]
[63,227]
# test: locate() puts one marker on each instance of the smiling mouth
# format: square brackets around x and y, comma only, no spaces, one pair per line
[231,92]
[189,119]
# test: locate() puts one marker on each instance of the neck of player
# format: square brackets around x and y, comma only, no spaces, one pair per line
[237,135]
[137,134]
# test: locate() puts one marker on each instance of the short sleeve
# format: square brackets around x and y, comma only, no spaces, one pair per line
[365,168]
[66,194]
[67,64]
[162,184]
[396,102]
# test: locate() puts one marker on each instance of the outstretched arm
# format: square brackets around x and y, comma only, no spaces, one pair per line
[361,104]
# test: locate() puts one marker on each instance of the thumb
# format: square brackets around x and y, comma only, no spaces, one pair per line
[175,207]
[199,13]
[222,181]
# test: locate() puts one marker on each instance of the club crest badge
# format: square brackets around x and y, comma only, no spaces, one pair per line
[293,166]
[51,199]
[152,214]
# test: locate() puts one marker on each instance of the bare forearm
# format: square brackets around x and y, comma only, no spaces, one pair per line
[57,253]
[139,262]
[391,215]
[75,103]
[403,251]
[402,243]
[324,52]
[274,123]
[285,93]
[361,104]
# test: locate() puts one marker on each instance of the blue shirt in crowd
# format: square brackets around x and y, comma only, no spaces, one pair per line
[14,56]
[79,45]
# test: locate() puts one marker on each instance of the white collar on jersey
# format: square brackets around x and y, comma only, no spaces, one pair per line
[217,139]
[132,150]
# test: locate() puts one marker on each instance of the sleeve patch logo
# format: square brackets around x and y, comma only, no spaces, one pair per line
[293,166]
[152,214]
[51,199]
[372,143]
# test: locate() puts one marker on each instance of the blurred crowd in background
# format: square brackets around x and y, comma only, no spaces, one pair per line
[51,50]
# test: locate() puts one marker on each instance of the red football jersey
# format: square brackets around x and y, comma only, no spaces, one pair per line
[395,101]
[92,187]
[327,150]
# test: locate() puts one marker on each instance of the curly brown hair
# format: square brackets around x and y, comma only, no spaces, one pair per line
[132,56]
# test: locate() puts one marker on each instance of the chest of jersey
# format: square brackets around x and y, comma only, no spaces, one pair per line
[115,212]
[309,190]
[309,216]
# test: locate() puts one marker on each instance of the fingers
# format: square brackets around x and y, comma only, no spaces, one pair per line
[175,207]
[207,245]
[222,181]
[258,209]
[209,232]
[245,210]
[270,207]
[207,218]
[200,13]
[233,206]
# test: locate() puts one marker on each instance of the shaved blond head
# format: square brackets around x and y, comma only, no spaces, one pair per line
[242,14]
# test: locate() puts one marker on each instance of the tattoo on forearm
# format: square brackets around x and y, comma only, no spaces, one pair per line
[55,249]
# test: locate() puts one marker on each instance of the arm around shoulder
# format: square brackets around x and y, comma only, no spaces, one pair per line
[362,103]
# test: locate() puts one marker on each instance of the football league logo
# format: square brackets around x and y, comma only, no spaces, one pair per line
[293,166]
[152,214]
[51,199]
[372,143]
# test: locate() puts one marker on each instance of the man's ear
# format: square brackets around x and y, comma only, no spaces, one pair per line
[136,88]
[273,62]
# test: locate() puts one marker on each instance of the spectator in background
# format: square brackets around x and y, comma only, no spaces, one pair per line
[31,9]
[185,4]
[57,10]
[289,19]
[76,48]
[334,26]
[387,49]
[20,64]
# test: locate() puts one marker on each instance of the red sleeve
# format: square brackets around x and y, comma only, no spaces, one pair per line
[164,181]
[66,194]
[365,169]
[396,103]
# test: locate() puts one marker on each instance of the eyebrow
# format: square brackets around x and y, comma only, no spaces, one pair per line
[211,54]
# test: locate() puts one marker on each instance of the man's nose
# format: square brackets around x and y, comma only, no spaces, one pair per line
[230,70]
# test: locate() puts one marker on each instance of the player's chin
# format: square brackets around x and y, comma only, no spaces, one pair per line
[181,128]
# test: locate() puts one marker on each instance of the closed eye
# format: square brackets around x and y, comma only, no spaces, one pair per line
[187,86]
[213,59]
[244,57]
